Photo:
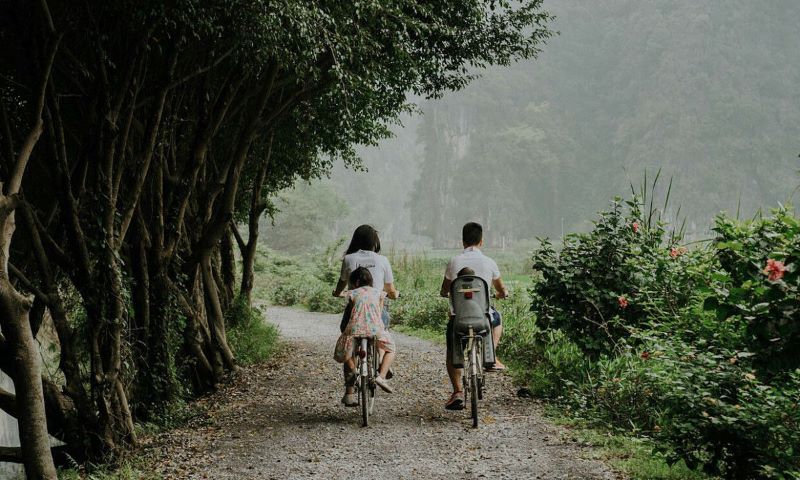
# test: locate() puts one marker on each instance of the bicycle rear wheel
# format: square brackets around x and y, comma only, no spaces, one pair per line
[373,365]
[473,383]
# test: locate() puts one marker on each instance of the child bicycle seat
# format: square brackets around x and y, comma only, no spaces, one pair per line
[469,297]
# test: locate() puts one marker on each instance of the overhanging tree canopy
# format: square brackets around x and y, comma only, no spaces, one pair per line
[161,122]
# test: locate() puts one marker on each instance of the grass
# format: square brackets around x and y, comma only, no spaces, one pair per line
[421,332]
[134,469]
[634,456]
[253,340]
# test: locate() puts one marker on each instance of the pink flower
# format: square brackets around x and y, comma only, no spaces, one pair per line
[623,302]
[635,227]
[774,270]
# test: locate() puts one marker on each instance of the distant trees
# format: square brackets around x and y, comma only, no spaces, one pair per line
[134,134]
[703,91]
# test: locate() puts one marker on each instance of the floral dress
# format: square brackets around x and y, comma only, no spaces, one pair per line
[365,321]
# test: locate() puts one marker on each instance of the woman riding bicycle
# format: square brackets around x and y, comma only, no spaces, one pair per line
[364,251]
[363,315]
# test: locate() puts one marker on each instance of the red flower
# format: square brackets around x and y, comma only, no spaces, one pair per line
[774,270]
[677,252]
[623,302]
[645,355]
[635,227]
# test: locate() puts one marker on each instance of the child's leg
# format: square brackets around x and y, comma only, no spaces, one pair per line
[388,358]
[348,368]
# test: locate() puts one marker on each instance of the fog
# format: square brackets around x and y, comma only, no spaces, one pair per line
[706,92]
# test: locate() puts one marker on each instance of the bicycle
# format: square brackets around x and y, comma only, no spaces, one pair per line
[471,329]
[366,370]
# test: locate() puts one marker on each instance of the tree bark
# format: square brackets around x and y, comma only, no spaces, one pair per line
[28,385]
[257,207]
[216,319]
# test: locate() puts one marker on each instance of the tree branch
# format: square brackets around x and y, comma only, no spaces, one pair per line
[27,283]
[33,137]
[8,402]
[238,237]
[128,212]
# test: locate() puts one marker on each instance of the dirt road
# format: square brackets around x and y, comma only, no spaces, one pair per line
[285,421]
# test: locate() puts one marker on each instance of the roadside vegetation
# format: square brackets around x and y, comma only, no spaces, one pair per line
[680,361]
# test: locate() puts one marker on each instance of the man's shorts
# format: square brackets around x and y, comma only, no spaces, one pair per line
[496,320]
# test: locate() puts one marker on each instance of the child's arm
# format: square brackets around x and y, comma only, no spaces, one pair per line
[348,312]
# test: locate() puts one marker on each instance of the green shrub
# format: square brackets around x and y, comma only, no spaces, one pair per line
[320,299]
[696,348]
[421,309]
[717,415]
[604,284]
[759,286]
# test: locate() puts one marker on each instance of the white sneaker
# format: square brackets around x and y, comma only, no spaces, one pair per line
[383,383]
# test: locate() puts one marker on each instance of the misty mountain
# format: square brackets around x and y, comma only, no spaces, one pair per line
[705,91]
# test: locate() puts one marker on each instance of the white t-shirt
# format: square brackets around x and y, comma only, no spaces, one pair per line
[378,266]
[473,258]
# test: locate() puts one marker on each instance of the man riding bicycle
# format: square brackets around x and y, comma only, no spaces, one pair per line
[485,268]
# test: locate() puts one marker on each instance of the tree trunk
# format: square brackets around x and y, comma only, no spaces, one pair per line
[248,267]
[14,310]
[216,319]
[257,207]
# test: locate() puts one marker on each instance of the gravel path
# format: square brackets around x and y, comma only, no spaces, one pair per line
[285,421]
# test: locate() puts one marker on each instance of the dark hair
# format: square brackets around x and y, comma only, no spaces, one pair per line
[472,234]
[364,238]
[466,271]
[360,277]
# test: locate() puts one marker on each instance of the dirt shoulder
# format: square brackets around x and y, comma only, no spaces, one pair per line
[285,421]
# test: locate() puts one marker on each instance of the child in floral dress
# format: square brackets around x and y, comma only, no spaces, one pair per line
[364,308]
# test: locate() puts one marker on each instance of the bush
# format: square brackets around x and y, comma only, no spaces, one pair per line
[717,415]
[696,348]
[319,299]
[421,309]
[759,286]
[604,284]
